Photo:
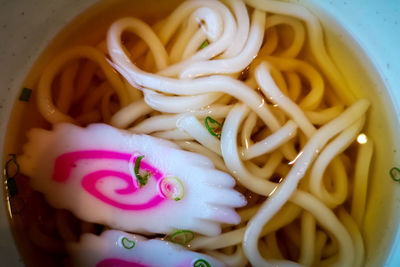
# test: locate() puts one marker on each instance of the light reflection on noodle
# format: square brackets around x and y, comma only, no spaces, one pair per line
[275,105]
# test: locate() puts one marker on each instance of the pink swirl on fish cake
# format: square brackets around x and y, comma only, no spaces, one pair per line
[66,162]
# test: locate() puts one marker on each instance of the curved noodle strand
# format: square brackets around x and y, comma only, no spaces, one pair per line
[299,34]
[289,184]
[44,98]
[233,64]
[315,36]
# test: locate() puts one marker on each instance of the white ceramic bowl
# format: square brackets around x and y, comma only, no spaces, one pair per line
[369,29]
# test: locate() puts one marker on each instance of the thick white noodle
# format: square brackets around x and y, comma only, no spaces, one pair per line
[65,94]
[185,34]
[155,124]
[193,45]
[248,128]
[243,26]
[358,203]
[194,128]
[299,34]
[308,231]
[223,240]
[127,115]
[355,233]
[285,216]
[213,49]
[230,153]
[210,22]
[168,122]
[216,83]
[320,241]
[238,259]
[338,145]
[271,90]
[44,96]
[328,220]
[178,104]
[289,184]
[270,166]
[236,63]
[271,142]
[319,211]
[316,41]
[144,31]
[201,85]
[195,147]
[176,134]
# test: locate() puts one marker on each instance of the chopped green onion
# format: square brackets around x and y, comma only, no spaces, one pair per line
[395,174]
[25,94]
[212,126]
[204,44]
[201,263]
[126,243]
[142,180]
[182,237]
[172,188]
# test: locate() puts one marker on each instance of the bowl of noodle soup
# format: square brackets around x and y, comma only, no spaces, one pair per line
[301,110]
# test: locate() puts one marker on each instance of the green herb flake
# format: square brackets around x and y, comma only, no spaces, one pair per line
[213,126]
[204,44]
[201,263]
[25,94]
[142,180]
[182,237]
[395,174]
[128,244]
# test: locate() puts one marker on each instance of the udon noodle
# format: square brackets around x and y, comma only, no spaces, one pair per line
[259,70]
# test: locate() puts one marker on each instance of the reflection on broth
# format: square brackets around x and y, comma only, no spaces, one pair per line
[247,88]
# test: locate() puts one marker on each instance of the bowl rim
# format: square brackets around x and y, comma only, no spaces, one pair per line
[372,23]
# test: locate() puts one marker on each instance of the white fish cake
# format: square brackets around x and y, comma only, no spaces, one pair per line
[116,248]
[96,173]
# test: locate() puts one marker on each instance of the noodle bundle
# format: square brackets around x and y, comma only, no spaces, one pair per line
[251,86]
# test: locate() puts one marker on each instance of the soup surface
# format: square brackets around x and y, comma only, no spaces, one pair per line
[265,104]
